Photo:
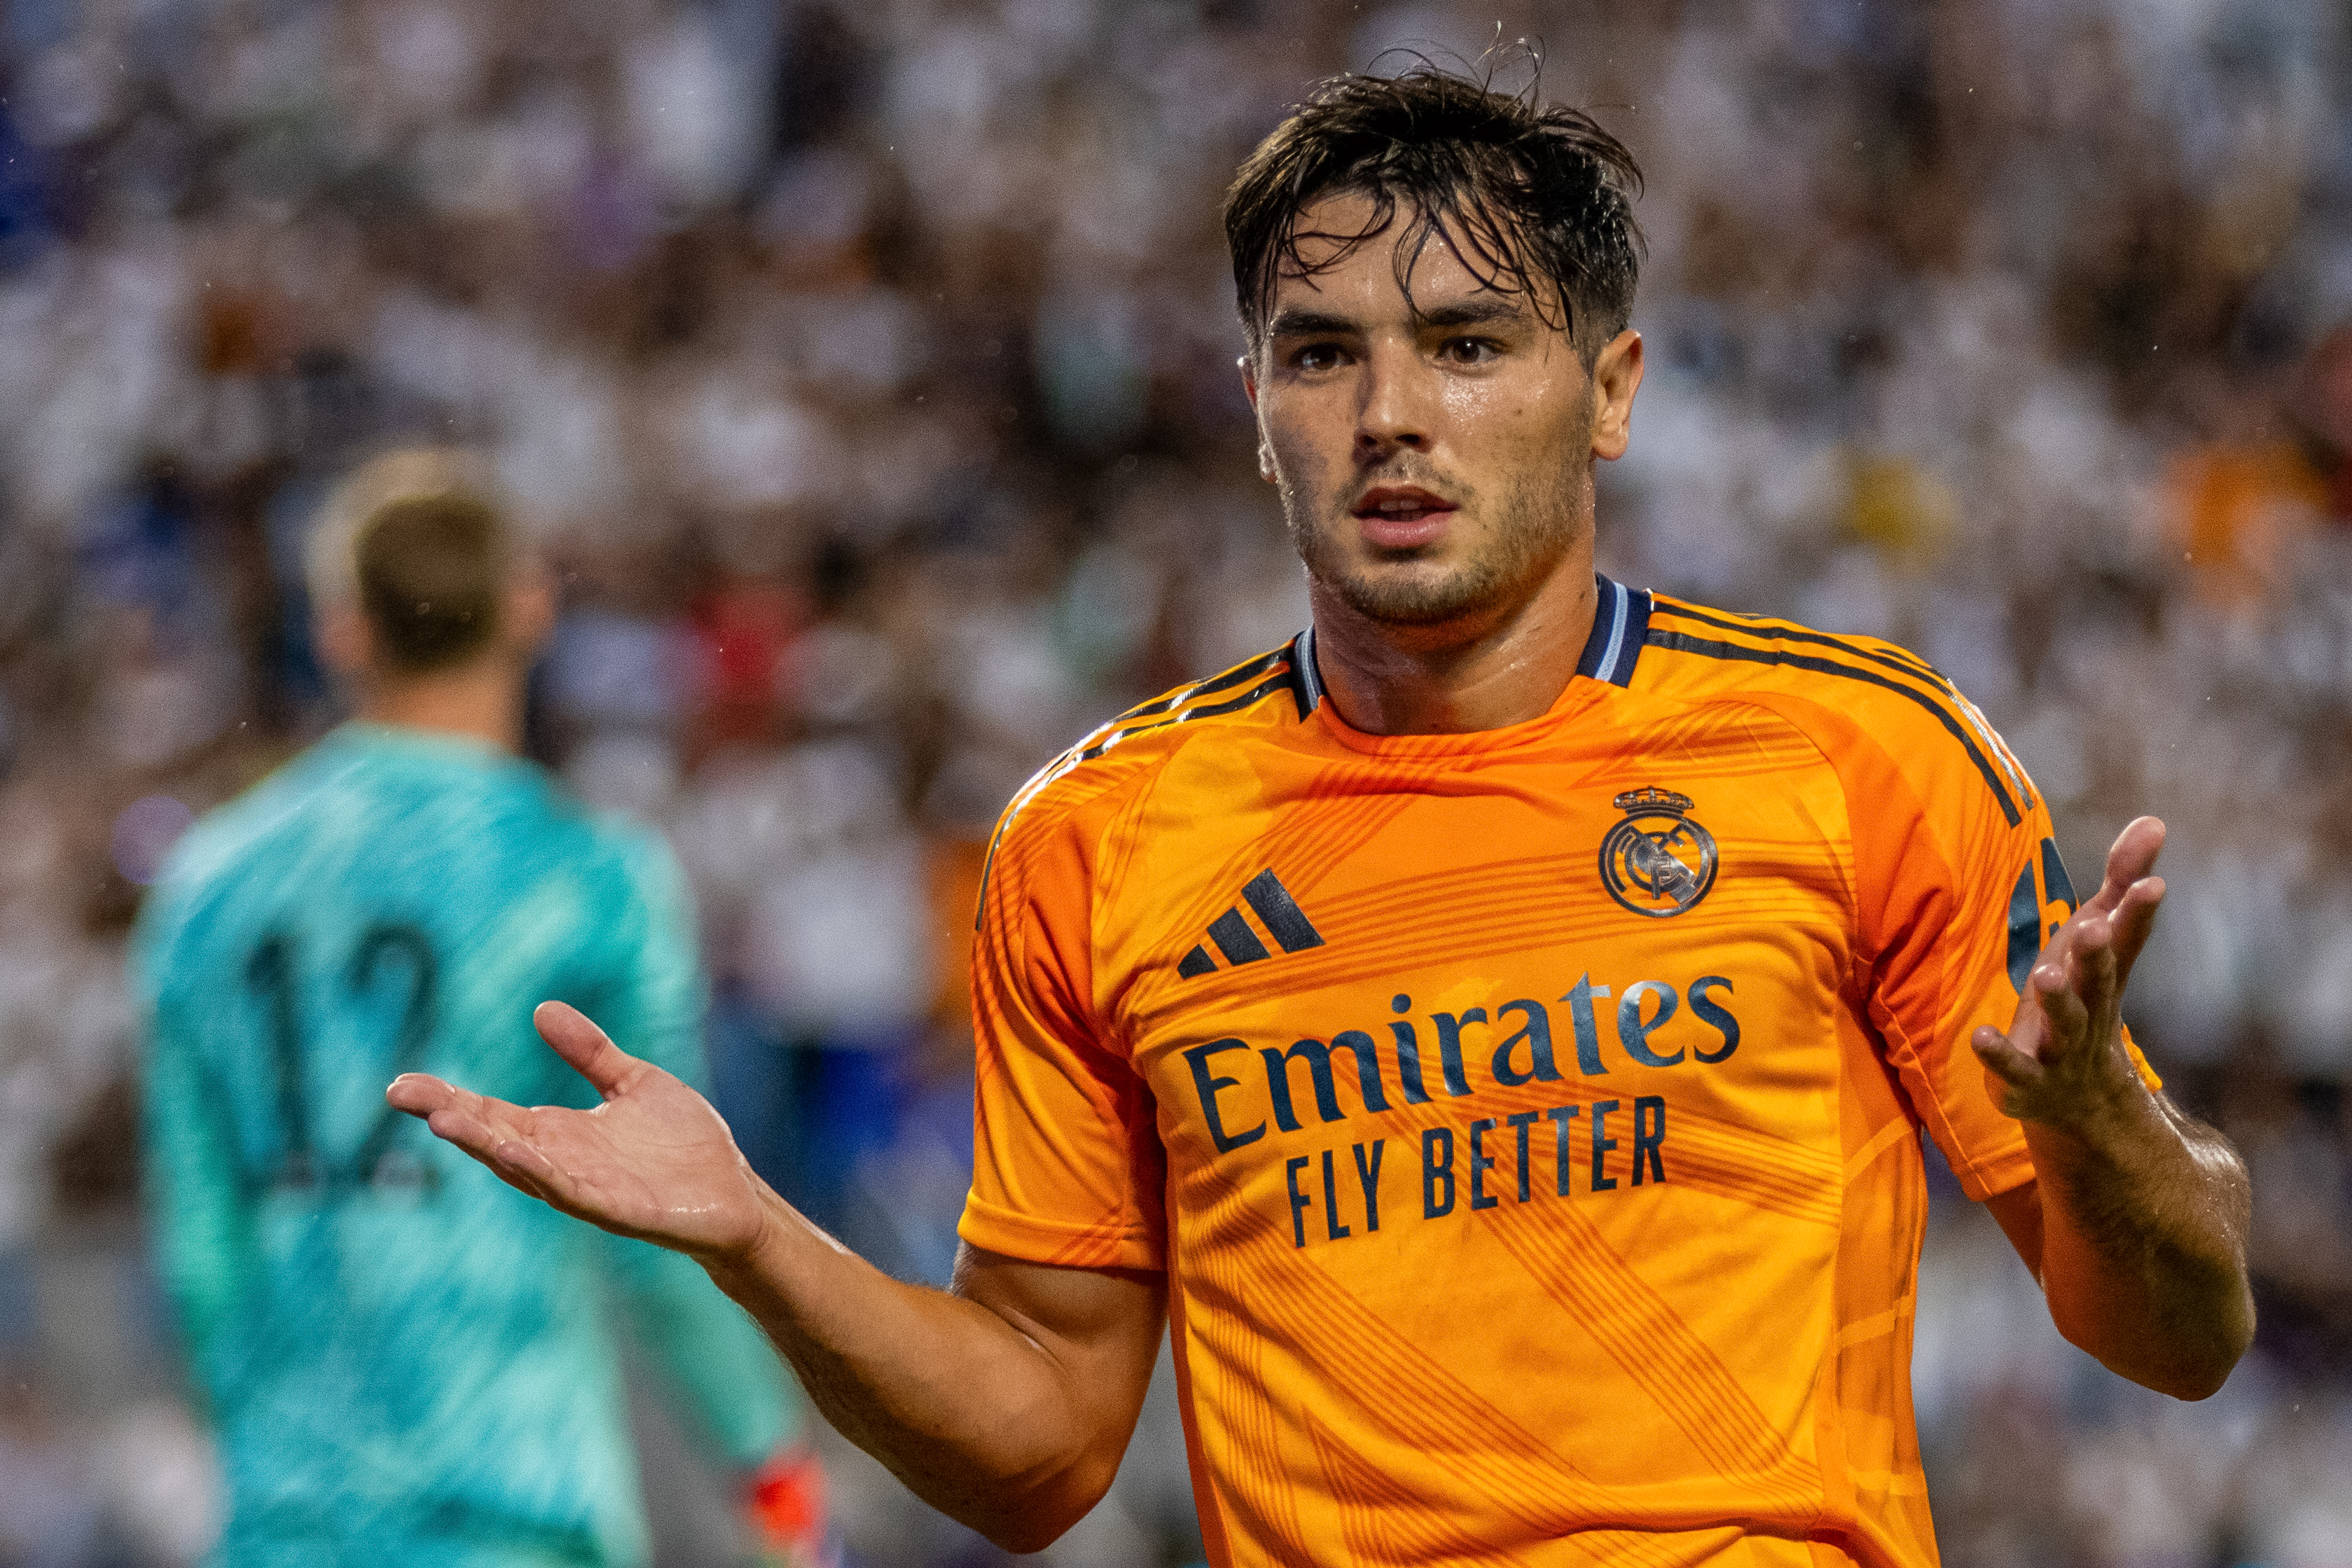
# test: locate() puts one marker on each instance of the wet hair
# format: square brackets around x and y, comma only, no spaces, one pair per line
[431,570]
[1535,200]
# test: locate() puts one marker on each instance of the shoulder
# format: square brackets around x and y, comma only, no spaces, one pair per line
[547,850]
[1276,689]
[1864,702]
[636,855]
[1120,761]
[229,860]
[235,838]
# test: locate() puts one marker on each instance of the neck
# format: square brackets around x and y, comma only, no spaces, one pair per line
[480,701]
[1502,666]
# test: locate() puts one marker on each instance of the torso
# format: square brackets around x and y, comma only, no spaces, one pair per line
[1534,1164]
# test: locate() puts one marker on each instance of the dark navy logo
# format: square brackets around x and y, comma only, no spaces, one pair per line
[1658,861]
[1276,911]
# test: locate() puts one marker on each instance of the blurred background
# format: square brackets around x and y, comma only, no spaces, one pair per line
[867,370]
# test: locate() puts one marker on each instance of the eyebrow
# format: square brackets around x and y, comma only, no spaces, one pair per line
[1475,311]
[1292,322]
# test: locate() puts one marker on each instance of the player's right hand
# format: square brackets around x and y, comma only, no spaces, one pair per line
[654,1161]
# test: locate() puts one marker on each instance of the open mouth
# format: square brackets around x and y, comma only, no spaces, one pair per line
[1403,518]
[1408,504]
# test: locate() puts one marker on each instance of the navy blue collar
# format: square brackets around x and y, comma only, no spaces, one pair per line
[1620,621]
[1306,681]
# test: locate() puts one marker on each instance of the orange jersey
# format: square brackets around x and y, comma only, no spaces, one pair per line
[1527,1120]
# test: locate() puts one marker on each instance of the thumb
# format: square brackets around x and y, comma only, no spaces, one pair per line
[588,1049]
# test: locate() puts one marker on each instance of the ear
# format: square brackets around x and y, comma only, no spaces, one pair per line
[529,610]
[1616,377]
[1247,365]
[339,631]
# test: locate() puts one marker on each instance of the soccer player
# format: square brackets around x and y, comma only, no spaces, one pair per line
[1496,1029]
[405,1362]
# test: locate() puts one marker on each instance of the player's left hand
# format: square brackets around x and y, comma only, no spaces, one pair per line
[2062,1060]
[784,1508]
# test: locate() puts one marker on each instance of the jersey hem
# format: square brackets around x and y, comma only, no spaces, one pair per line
[1035,1240]
[2005,1174]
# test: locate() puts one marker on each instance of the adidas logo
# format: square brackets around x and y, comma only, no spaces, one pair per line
[1276,910]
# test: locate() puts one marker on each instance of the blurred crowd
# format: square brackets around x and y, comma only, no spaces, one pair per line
[867,372]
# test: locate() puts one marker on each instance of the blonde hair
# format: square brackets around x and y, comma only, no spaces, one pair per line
[418,539]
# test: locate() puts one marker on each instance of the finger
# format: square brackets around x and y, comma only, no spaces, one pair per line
[474,1122]
[418,1093]
[467,1127]
[471,1123]
[2131,857]
[2095,986]
[2011,1076]
[526,1160]
[2003,1060]
[2062,941]
[589,1049]
[489,1148]
[525,1167]
[2059,990]
[2135,920]
[2026,1026]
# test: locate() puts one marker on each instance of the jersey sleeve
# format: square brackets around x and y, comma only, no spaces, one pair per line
[735,1392]
[202,1235]
[1960,885]
[651,994]
[1067,1167]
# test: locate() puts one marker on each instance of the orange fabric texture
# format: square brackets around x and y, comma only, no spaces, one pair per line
[1528,1121]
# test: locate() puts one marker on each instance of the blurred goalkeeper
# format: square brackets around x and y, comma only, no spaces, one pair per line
[405,1361]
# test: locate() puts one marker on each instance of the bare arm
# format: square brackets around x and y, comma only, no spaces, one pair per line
[2136,1224]
[1004,1401]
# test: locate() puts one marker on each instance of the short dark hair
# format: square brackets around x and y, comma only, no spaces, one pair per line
[431,572]
[1523,193]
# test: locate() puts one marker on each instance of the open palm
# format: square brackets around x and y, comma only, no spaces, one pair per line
[654,1161]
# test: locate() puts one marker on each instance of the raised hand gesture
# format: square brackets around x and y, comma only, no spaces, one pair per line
[2063,1062]
[654,1161]
[2136,1221]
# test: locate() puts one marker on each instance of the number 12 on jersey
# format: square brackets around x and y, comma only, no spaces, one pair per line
[387,950]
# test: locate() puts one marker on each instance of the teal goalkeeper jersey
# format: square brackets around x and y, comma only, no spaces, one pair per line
[405,1360]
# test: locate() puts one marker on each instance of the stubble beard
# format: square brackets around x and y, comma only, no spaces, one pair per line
[1534,524]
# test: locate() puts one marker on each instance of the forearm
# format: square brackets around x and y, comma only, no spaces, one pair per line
[974,1415]
[730,1384]
[1006,1404]
[2144,1217]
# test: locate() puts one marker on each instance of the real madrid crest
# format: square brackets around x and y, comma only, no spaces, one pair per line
[1658,861]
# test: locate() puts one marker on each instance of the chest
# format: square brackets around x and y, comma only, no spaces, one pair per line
[1347,954]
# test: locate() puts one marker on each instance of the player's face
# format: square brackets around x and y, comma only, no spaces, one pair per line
[1433,464]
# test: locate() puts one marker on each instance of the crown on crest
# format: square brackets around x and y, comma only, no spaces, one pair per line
[1651,799]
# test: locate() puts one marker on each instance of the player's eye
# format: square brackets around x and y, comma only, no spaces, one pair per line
[1315,357]
[1469,351]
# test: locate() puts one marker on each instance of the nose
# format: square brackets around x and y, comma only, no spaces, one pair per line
[1393,411]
